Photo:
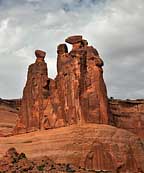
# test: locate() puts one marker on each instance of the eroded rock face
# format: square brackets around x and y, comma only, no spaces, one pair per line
[34,95]
[12,161]
[129,115]
[80,85]
[8,115]
[76,96]
[126,114]
[89,146]
[99,158]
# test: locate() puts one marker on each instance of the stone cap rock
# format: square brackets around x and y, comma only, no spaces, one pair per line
[84,42]
[62,48]
[74,39]
[40,54]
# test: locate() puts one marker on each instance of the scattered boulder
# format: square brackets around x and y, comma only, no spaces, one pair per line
[15,162]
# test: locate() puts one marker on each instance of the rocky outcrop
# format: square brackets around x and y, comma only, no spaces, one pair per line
[34,95]
[76,100]
[12,161]
[89,146]
[99,158]
[13,103]
[76,96]
[128,114]
[8,115]
[80,86]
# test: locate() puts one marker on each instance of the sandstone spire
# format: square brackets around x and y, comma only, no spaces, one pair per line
[32,107]
[76,96]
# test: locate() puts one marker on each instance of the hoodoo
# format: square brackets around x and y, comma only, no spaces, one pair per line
[76,96]
[76,100]
[34,95]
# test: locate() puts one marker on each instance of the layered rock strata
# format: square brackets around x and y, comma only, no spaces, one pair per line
[77,95]
[128,114]
[8,116]
[89,146]
[76,100]
[34,95]
[13,161]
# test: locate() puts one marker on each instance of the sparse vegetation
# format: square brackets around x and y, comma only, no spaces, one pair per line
[41,167]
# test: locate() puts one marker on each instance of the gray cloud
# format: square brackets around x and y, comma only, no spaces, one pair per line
[114,27]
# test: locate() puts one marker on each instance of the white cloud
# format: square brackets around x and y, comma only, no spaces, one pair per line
[4,24]
[114,27]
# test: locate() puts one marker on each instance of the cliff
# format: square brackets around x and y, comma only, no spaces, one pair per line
[129,115]
[126,114]
[8,115]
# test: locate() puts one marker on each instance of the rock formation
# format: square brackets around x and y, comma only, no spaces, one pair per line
[8,115]
[34,95]
[90,146]
[76,100]
[12,161]
[77,95]
[99,158]
[128,114]
[82,90]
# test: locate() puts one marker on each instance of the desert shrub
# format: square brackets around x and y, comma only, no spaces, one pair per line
[21,156]
[41,167]
[69,169]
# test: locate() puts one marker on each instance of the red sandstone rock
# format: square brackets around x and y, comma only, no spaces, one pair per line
[40,54]
[76,96]
[89,146]
[128,114]
[34,95]
[15,162]
[74,39]
[99,158]
[82,91]
[8,116]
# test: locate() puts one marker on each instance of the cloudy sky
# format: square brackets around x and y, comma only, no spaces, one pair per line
[114,27]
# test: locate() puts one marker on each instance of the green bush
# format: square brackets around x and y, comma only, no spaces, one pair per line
[41,167]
